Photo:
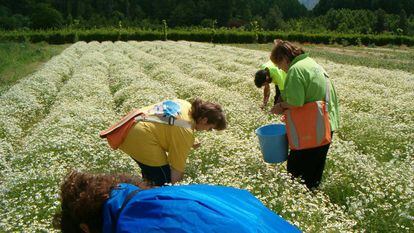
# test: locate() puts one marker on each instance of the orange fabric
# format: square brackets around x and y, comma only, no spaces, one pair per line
[308,126]
[117,132]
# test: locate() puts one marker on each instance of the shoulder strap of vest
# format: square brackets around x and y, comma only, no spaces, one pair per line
[164,120]
[327,91]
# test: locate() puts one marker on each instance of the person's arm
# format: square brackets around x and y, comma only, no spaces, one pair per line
[180,142]
[294,91]
[280,107]
[278,97]
[266,94]
[176,176]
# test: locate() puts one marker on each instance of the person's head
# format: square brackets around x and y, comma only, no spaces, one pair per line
[207,115]
[283,53]
[82,197]
[261,78]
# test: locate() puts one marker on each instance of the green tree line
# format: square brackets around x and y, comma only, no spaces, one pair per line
[342,16]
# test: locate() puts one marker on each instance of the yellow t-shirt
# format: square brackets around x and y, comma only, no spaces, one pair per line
[157,144]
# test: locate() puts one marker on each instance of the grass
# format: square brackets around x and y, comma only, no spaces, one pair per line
[394,58]
[17,60]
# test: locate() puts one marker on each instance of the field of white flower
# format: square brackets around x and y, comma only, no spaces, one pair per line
[49,123]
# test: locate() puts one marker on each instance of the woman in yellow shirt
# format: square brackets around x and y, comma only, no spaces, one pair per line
[160,149]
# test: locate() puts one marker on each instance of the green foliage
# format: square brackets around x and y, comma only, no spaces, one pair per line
[44,16]
[403,22]
[202,35]
[380,24]
[393,7]
[274,19]
[19,59]
[350,21]
[336,16]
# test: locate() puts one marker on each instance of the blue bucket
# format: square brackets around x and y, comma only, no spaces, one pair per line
[273,142]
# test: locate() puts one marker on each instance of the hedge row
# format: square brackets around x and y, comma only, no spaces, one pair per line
[217,36]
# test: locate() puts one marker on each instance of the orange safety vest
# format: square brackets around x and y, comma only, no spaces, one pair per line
[308,126]
[118,132]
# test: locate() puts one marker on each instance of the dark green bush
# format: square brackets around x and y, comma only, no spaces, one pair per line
[201,35]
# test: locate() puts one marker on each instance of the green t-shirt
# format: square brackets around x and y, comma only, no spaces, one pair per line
[305,83]
[277,75]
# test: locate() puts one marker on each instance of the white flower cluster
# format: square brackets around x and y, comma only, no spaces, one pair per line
[49,123]
[377,109]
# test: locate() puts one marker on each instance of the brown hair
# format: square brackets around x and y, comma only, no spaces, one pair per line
[284,49]
[82,197]
[213,112]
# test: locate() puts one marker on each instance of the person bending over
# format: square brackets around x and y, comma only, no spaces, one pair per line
[270,73]
[161,136]
[119,203]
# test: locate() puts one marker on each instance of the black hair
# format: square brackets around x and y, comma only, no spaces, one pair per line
[260,78]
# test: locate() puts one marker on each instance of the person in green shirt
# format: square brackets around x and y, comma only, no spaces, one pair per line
[269,73]
[305,82]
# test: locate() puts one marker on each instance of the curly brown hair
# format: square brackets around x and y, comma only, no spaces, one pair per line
[213,112]
[82,197]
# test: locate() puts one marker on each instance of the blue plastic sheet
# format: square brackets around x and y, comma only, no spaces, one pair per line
[190,208]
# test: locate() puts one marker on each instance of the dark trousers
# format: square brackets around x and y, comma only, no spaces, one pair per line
[277,95]
[157,176]
[308,164]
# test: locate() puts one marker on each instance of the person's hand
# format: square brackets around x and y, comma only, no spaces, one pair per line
[196,145]
[176,176]
[144,116]
[277,109]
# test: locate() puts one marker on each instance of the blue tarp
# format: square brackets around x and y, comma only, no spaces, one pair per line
[190,208]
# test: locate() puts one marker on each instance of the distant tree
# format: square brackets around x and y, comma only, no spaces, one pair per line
[4,11]
[332,19]
[273,19]
[117,15]
[246,13]
[161,9]
[207,23]
[44,16]
[403,22]
[201,11]
[126,7]
[14,22]
[380,25]
[350,21]
[260,22]
[236,22]
[97,20]
[222,10]
[364,21]
[137,13]
[390,6]
[183,14]
[290,8]
[5,22]
[410,30]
